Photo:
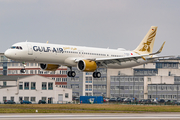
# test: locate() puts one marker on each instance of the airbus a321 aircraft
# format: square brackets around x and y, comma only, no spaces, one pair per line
[87,59]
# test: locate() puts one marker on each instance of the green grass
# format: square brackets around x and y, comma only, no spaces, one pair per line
[85,108]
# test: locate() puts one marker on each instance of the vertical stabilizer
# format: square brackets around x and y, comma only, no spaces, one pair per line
[146,45]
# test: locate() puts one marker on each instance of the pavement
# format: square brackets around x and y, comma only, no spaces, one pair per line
[92,116]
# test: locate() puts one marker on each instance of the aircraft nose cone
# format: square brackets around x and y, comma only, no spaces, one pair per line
[7,53]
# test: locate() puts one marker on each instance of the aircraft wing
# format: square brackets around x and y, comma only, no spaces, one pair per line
[118,60]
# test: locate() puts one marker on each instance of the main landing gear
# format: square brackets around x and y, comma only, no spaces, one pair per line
[96,74]
[23,70]
[71,73]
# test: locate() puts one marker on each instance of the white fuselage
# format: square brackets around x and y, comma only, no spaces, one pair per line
[67,55]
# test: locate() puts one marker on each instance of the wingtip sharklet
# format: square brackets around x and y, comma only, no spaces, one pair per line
[162,47]
[160,50]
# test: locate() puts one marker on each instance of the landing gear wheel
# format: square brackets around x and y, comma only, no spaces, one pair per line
[96,74]
[22,70]
[71,74]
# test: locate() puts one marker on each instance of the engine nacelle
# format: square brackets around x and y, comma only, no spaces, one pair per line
[49,67]
[87,65]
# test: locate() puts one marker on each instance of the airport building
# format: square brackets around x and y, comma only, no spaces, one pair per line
[32,88]
[12,68]
[85,85]
[158,80]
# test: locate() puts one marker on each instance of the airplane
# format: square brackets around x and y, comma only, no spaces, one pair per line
[86,59]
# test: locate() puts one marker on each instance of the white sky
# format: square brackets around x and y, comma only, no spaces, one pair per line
[93,23]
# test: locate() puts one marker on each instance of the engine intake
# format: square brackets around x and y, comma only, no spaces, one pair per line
[49,67]
[87,65]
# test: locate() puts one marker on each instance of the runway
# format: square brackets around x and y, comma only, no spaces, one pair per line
[106,116]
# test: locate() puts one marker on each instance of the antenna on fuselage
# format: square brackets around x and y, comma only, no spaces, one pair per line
[47,42]
[26,40]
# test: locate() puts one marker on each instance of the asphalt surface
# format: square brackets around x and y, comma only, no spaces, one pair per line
[91,116]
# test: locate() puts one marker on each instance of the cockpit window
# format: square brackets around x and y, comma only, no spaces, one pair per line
[13,47]
[16,47]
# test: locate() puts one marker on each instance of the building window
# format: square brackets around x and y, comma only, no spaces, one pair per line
[141,79]
[31,71]
[20,98]
[44,85]
[44,98]
[31,64]
[33,85]
[20,85]
[26,98]
[90,87]
[149,79]
[12,98]
[66,95]
[86,88]
[26,85]
[4,83]
[4,98]
[50,86]
[33,99]
[88,79]
[74,85]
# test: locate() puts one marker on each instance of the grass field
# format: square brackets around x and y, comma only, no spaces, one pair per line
[85,108]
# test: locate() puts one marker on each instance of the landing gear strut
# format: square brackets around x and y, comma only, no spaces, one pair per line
[23,70]
[71,73]
[96,74]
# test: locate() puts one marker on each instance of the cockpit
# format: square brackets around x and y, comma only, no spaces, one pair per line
[16,47]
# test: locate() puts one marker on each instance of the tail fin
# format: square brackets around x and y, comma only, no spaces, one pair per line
[146,45]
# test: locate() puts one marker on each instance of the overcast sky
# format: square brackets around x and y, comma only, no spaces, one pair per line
[94,23]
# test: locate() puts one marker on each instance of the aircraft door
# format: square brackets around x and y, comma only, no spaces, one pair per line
[30,51]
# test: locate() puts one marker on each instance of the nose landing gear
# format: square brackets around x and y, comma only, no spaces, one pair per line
[23,70]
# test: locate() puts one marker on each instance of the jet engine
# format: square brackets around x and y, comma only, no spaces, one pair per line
[49,67]
[87,65]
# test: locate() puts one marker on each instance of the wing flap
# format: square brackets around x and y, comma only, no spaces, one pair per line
[156,58]
[122,59]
